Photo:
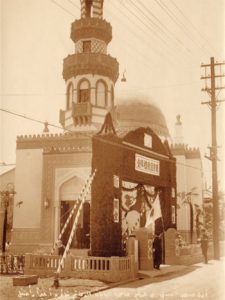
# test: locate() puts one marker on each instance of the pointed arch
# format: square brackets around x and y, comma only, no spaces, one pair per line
[69,96]
[112,96]
[83,88]
[101,93]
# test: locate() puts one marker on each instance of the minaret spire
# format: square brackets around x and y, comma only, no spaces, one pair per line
[91,8]
[90,73]
[178,139]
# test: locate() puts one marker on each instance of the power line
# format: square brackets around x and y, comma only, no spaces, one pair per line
[73,15]
[130,46]
[147,41]
[63,8]
[147,26]
[73,4]
[157,26]
[32,119]
[193,26]
[176,20]
[166,29]
[86,135]
[123,89]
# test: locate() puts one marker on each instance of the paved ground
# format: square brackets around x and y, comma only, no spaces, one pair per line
[199,281]
[195,282]
[69,289]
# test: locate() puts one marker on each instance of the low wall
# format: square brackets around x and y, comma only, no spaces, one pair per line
[186,255]
[193,255]
[110,269]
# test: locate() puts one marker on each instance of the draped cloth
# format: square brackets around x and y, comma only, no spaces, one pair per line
[140,207]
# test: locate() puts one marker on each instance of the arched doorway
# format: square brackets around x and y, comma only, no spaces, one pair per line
[69,194]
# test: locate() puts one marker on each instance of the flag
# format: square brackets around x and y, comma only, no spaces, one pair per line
[157,209]
[149,217]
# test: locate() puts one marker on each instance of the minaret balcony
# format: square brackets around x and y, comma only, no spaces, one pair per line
[86,28]
[82,109]
[81,113]
[90,63]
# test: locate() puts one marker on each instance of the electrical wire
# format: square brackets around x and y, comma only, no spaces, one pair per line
[91,136]
[143,11]
[75,5]
[62,7]
[157,38]
[193,26]
[150,30]
[150,44]
[165,28]
[176,20]
[131,46]
[32,119]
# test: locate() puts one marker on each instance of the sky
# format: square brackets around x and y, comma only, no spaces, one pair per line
[159,44]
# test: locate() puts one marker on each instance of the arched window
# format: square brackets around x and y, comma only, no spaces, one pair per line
[69,95]
[112,96]
[101,94]
[84,91]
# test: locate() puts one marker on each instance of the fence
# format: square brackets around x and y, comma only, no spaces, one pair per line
[12,264]
[111,269]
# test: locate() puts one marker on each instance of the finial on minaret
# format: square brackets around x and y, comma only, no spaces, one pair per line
[178,138]
[46,129]
[178,120]
[91,8]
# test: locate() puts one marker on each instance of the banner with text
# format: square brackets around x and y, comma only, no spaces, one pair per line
[147,165]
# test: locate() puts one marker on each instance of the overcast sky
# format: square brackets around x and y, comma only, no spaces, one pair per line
[160,43]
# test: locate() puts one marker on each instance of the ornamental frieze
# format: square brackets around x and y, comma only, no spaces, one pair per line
[91,63]
[71,142]
[91,28]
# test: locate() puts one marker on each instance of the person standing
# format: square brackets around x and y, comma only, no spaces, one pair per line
[157,252]
[204,246]
[61,247]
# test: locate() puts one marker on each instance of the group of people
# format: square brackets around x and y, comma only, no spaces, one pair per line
[156,246]
[157,249]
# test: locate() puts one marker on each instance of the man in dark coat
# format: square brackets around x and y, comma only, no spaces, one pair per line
[61,248]
[157,251]
[204,246]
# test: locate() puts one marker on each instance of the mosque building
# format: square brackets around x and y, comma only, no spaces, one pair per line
[51,169]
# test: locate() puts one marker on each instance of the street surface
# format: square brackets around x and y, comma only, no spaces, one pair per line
[199,281]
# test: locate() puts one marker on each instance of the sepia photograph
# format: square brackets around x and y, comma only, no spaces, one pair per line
[112,149]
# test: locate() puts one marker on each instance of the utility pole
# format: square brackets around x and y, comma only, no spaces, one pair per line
[215,69]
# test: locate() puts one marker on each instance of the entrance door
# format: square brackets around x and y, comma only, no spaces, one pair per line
[66,207]
[83,231]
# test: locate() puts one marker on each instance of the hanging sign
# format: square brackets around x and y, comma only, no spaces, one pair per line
[146,165]
[116,210]
[116,181]
[173,214]
[147,140]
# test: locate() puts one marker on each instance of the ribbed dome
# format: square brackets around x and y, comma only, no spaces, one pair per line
[133,113]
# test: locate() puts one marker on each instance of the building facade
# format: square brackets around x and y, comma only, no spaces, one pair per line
[52,169]
[189,187]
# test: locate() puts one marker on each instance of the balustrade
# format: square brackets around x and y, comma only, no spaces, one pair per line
[12,264]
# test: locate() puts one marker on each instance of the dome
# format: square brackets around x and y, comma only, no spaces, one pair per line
[133,113]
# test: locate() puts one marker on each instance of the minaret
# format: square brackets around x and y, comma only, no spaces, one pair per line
[178,138]
[90,73]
